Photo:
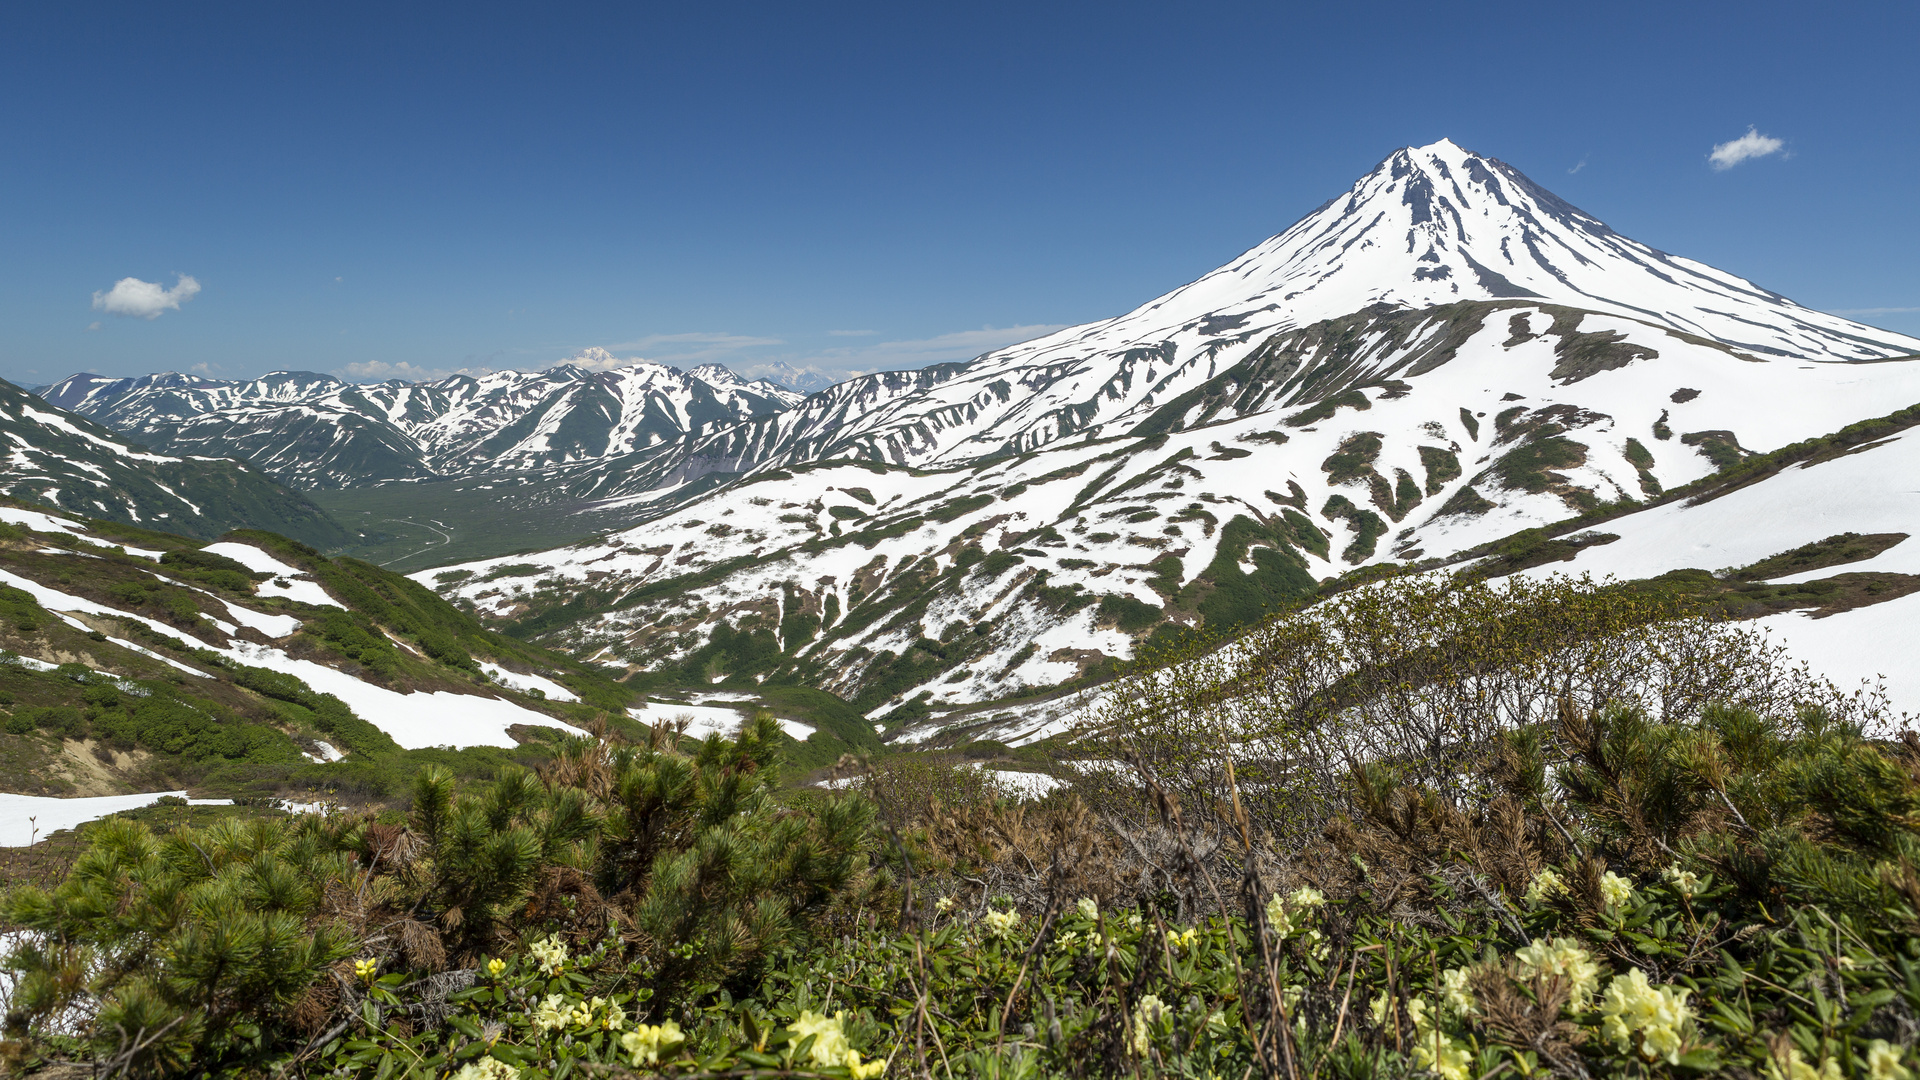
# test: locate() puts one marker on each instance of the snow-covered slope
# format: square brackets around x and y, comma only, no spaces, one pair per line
[135,613]
[1024,568]
[63,460]
[1873,491]
[318,431]
[1442,357]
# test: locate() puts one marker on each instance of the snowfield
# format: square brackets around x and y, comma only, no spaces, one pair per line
[25,819]
[1873,490]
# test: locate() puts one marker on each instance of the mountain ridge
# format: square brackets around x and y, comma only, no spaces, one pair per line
[66,461]
[324,432]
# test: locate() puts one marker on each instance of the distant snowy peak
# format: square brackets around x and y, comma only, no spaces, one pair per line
[319,431]
[1436,224]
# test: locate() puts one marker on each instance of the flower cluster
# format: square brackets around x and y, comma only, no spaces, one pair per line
[1182,939]
[1087,908]
[1145,1015]
[1001,924]
[365,970]
[1684,882]
[597,1013]
[1456,996]
[648,1043]
[1435,1049]
[485,1068]
[1658,1015]
[1545,884]
[1615,890]
[1283,911]
[1565,958]
[830,1048]
[550,955]
[1883,1062]
[551,1014]
[1280,910]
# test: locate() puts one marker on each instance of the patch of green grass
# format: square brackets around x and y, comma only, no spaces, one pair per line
[1351,399]
[1833,551]
[1367,527]
[1442,467]
[1126,614]
[1721,447]
[1471,422]
[1354,459]
[1529,466]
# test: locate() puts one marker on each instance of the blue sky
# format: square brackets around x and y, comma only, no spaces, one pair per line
[392,189]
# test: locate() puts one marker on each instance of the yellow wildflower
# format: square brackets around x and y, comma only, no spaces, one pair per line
[1306,896]
[1883,1062]
[1455,994]
[550,955]
[864,1072]
[1546,883]
[496,966]
[1277,916]
[829,1037]
[1614,889]
[1144,1017]
[366,970]
[1684,882]
[1087,907]
[1796,1067]
[485,1068]
[648,1043]
[1000,924]
[1563,957]
[1434,1049]
[1657,1014]
[551,1013]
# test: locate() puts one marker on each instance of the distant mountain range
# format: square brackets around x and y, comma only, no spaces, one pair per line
[316,431]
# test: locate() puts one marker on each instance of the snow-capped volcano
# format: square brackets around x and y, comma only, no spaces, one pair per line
[1428,227]
[1435,224]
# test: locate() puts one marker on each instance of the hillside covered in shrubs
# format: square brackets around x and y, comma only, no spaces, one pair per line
[1421,829]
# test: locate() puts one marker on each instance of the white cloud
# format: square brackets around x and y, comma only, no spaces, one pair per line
[381,371]
[595,358]
[1582,165]
[145,299]
[1745,148]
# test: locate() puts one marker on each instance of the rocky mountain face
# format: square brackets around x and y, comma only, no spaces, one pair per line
[315,431]
[63,460]
[1443,356]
